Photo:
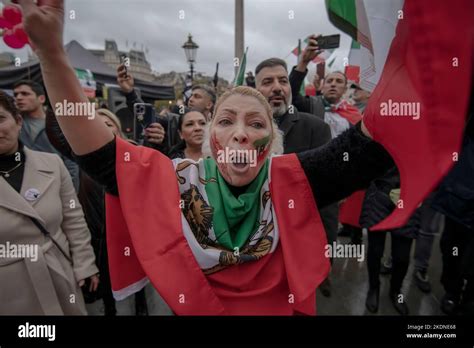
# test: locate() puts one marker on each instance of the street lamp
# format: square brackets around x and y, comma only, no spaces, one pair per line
[190,49]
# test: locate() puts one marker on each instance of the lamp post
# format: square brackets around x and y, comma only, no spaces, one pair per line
[190,49]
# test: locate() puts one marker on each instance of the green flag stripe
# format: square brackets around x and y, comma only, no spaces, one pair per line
[355,45]
[239,79]
[342,13]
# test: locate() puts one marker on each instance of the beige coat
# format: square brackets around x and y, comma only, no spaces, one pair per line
[48,285]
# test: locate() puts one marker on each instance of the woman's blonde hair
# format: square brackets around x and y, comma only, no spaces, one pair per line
[111,116]
[277,135]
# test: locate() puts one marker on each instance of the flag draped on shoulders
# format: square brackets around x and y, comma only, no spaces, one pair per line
[348,111]
[146,242]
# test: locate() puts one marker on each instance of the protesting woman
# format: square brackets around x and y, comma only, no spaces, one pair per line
[237,233]
[45,249]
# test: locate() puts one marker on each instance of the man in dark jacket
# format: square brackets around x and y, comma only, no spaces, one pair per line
[379,201]
[301,131]
[455,199]
[328,106]
[155,133]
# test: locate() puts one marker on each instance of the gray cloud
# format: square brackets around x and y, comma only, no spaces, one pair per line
[269,32]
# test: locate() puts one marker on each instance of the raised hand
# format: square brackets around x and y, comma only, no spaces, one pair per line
[310,52]
[125,79]
[44,24]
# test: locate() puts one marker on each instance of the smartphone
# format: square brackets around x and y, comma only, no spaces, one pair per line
[144,116]
[328,42]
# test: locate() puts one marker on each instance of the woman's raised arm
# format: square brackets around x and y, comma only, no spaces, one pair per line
[44,24]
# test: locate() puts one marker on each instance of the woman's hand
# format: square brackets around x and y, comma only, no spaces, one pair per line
[44,24]
[155,133]
[93,284]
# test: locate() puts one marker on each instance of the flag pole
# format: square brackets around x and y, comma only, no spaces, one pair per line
[239,32]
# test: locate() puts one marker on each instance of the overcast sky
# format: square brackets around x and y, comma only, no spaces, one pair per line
[156,24]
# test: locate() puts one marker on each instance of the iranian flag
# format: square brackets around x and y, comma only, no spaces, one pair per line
[371,24]
[418,109]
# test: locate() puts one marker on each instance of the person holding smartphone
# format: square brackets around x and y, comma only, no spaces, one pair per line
[155,132]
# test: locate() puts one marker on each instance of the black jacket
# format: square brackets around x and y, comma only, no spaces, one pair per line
[455,197]
[378,205]
[303,132]
[309,104]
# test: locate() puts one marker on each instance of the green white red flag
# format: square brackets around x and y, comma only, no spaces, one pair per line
[371,24]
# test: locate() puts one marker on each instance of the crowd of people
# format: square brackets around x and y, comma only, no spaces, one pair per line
[65,187]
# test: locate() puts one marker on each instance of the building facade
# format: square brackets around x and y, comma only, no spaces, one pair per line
[139,66]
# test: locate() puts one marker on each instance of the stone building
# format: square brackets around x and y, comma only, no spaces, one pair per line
[139,66]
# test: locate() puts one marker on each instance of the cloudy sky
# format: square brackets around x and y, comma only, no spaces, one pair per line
[269,30]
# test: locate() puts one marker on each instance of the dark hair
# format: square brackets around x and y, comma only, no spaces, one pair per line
[181,116]
[181,145]
[35,87]
[8,103]
[338,72]
[209,91]
[270,63]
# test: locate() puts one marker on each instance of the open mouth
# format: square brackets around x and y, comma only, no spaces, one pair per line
[240,163]
[277,99]
[240,167]
[241,159]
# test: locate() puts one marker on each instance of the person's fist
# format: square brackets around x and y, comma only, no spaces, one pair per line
[155,133]
[44,24]
[312,49]
[125,79]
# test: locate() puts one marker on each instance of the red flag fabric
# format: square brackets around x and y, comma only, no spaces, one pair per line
[352,73]
[418,109]
[145,240]
[310,90]
[350,209]
[349,112]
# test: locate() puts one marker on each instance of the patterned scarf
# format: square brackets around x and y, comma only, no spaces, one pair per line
[221,229]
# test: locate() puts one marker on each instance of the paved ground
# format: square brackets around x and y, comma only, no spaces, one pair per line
[349,288]
[350,284]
